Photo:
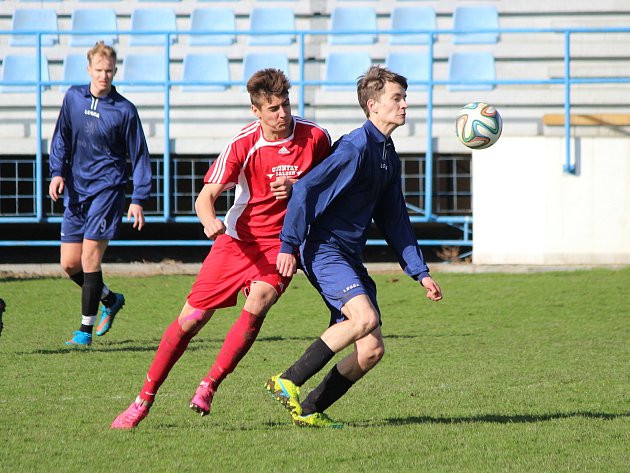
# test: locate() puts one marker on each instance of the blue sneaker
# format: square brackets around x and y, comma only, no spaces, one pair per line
[108,314]
[80,339]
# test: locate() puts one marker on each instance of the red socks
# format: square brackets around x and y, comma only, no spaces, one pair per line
[173,344]
[238,341]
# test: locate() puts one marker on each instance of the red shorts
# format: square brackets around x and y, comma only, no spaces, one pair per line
[233,265]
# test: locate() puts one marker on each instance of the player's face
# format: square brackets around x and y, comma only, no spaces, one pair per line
[102,71]
[390,110]
[275,117]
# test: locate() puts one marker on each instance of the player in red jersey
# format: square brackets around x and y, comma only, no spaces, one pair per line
[262,162]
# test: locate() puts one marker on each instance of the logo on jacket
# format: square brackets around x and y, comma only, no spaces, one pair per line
[92,113]
[284,150]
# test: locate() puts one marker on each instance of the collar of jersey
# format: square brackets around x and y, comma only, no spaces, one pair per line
[282,140]
[375,133]
[108,98]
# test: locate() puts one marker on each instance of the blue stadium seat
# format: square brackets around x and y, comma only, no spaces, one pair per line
[205,67]
[152,19]
[22,67]
[255,61]
[212,19]
[413,65]
[353,19]
[43,19]
[96,20]
[271,19]
[476,18]
[345,67]
[74,71]
[144,68]
[471,66]
[412,18]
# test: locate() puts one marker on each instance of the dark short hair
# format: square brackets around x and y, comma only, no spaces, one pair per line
[371,83]
[265,84]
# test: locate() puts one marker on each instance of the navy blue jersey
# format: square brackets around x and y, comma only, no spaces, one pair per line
[92,141]
[334,204]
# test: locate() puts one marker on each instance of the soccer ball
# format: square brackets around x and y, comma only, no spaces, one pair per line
[478,125]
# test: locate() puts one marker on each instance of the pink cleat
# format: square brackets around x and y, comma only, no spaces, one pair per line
[132,416]
[202,399]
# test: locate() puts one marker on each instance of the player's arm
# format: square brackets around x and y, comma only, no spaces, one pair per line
[60,151]
[138,152]
[392,219]
[204,206]
[281,187]
[311,196]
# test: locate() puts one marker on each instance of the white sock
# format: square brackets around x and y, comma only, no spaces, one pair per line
[88,320]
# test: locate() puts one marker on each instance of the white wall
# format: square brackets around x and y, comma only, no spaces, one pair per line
[527,211]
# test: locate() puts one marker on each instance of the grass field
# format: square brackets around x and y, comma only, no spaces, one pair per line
[510,372]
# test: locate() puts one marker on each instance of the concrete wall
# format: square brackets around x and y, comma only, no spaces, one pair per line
[527,211]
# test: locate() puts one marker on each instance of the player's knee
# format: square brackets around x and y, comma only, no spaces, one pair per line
[366,324]
[259,302]
[370,358]
[70,267]
[191,323]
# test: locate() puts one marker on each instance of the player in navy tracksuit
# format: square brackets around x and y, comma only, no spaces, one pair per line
[97,131]
[328,218]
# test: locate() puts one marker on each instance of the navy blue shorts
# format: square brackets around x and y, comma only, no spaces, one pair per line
[337,279]
[94,219]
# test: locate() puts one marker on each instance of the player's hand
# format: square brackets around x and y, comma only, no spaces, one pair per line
[281,187]
[433,290]
[55,189]
[215,228]
[286,264]
[137,213]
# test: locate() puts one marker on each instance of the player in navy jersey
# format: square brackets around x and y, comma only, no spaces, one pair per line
[261,163]
[97,132]
[328,218]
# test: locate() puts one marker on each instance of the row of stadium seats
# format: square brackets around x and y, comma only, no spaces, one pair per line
[342,69]
[101,23]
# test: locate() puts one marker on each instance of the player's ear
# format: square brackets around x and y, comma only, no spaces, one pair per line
[255,111]
[372,106]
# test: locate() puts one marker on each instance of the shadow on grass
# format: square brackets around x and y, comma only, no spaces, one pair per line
[131,345]
[498,418]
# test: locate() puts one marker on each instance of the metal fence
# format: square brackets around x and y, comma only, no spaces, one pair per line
[437,188]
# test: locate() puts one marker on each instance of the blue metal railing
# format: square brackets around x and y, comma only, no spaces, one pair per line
[462,222]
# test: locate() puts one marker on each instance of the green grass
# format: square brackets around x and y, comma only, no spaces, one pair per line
[510,372]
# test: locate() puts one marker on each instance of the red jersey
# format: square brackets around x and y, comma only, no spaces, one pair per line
[251,163]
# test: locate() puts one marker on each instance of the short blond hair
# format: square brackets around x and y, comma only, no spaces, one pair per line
[101,49]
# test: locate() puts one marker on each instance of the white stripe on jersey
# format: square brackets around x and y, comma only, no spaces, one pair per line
[242,193]
[313,124]
[94,103]
[219,168]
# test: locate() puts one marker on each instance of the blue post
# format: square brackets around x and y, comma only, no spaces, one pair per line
[39,197]
[428,175]
[569,167]
[167,133]
[301,92]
